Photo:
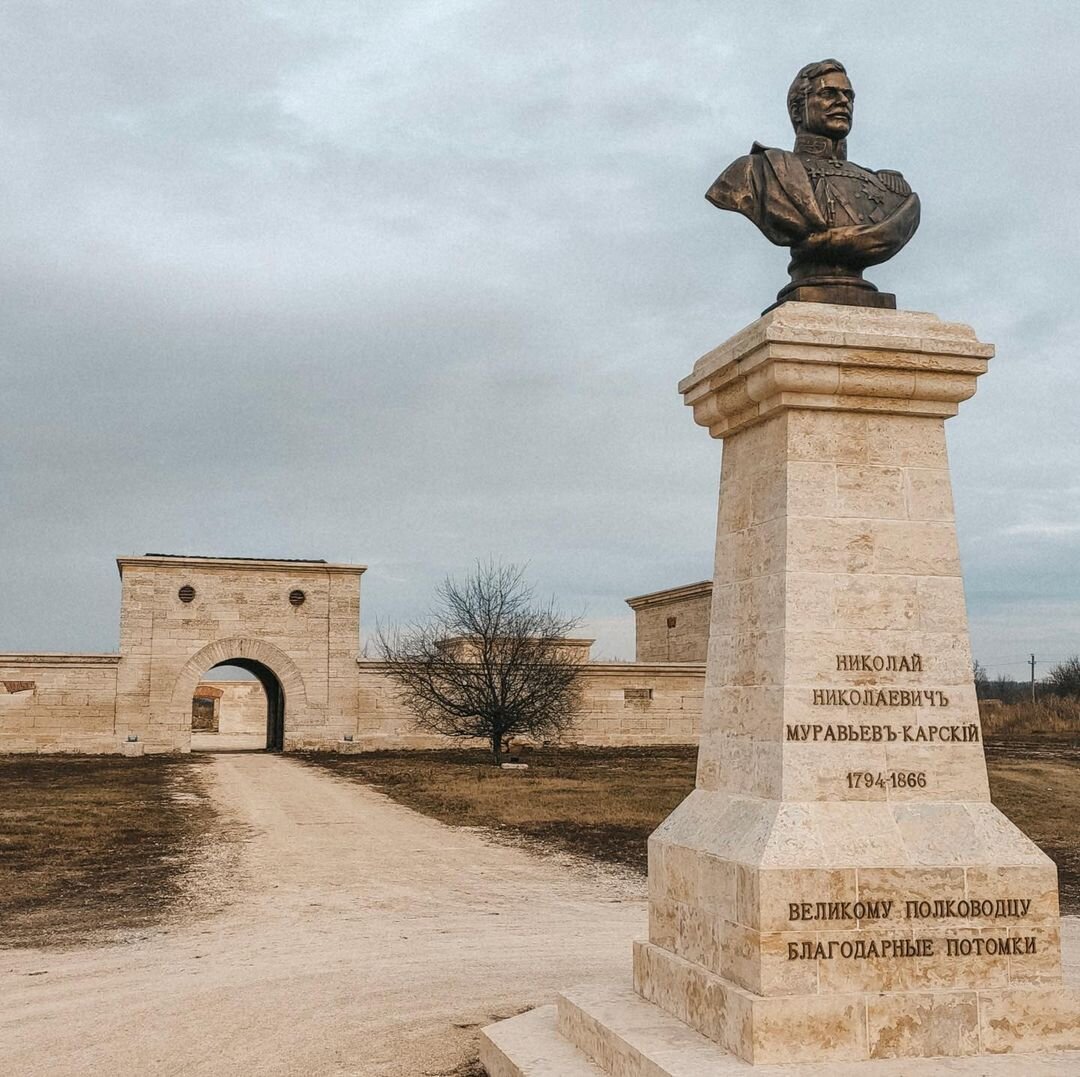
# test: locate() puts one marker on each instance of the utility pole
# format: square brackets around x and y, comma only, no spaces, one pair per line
[1032,678]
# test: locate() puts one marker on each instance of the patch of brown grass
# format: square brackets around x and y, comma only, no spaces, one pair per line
[1049,716]
[94,843]
[1038,788]
[598,802]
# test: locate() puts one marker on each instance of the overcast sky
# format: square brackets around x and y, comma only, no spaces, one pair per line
[407,284]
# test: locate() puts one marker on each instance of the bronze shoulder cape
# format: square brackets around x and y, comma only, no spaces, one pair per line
[771,188]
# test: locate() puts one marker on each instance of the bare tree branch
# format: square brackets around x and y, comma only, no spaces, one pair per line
[489,663]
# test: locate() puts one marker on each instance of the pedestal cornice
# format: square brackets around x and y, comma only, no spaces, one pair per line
[824,357]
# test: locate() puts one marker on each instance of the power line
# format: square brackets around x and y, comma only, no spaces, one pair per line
[1022,661]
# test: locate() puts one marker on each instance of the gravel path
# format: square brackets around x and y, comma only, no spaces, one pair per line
[355,937]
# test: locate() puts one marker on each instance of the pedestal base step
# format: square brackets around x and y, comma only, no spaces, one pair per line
[628,1037]
[529,1045]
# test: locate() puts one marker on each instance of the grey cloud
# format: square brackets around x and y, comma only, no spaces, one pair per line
[411,284]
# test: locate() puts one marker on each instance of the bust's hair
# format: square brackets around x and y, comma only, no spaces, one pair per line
[796,96]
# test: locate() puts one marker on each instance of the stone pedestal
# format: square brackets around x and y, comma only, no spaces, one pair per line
[838,887]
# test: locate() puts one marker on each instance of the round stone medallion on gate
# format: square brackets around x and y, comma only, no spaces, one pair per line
[186,593]
[297,598]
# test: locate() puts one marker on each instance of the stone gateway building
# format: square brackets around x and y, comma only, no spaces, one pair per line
[295,626]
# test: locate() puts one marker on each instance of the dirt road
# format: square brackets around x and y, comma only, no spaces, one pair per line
[354,937]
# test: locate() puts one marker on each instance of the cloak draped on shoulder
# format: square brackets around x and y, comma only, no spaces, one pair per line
[771,188]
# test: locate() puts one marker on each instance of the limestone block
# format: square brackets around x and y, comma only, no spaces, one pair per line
[930,1025]
[754,1028]
[1029,1019]
[868,491]
[529,1046]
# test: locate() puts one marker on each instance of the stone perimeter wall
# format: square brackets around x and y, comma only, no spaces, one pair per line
[624,704]
[181,616]
[73,708]
[58,703]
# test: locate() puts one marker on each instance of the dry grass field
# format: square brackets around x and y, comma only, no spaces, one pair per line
[604,803]
[597,802]
[1036,783]
[90,845]
[1050,716]
[95,843]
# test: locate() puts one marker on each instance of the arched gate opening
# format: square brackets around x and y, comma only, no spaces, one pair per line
[221,722]
[278,678]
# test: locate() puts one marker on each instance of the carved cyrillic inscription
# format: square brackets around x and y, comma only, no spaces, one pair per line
[940,909]
[851,732]
[876,696]
[879,663]
[868,949]
[879,697]
[966,908]
[872,734]
[990,947]
[858,949]
[819,949]
[839,910]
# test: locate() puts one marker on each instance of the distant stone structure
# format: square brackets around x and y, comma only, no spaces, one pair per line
[243,707]
[206,709]
[239,709]
[673,625]
[295,626]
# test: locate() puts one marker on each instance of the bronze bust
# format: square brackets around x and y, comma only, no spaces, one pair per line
[836,217]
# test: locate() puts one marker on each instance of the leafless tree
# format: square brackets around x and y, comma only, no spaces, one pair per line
[1009,690]
[982,679]
[491,662]
[1064,678]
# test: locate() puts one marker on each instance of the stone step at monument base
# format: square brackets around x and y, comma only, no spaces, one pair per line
[604,1029]
[529,1045]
